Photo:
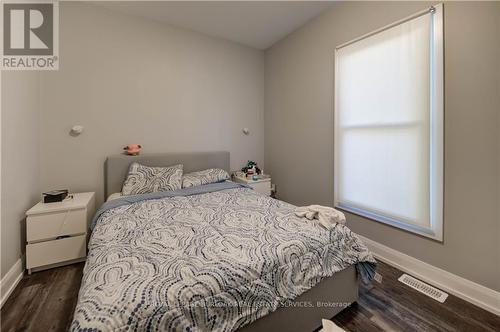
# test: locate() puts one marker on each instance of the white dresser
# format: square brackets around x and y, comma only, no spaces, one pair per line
[56,233]
[262,185]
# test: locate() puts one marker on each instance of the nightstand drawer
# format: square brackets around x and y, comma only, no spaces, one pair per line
[51,225]
[50,252]
[262,187]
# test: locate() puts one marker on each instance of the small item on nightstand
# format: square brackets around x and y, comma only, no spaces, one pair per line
[55,196]
[132,149]
[251,169]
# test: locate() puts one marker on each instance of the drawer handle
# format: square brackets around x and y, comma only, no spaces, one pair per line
[65,219]
[62,237]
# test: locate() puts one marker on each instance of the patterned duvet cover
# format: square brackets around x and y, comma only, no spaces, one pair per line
[212,261]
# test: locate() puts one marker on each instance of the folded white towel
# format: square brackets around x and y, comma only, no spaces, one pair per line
[326,216]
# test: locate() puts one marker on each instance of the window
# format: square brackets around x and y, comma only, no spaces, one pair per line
[389,124]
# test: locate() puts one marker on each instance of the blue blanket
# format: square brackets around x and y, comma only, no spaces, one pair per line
[126,200]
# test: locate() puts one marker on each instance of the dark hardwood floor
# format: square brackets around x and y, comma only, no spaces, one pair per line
[393,306]
[45,301]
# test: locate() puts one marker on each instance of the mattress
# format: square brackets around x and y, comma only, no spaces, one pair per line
[214,258]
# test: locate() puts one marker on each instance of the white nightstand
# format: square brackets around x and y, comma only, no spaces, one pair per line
[56,233]
[262,185]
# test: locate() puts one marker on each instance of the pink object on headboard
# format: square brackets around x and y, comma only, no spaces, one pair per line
[132,149]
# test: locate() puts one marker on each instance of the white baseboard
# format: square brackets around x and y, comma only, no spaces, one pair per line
[467,290]
[10,280]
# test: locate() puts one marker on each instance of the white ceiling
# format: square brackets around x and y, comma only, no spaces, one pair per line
[258,24]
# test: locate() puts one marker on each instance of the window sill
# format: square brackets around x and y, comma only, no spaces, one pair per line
[415,229]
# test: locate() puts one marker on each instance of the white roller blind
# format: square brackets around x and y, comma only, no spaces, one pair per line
[384,109]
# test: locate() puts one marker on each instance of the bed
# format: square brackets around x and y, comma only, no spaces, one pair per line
[217,257]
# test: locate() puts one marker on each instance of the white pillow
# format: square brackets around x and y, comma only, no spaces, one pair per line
[145,179]
[207,176]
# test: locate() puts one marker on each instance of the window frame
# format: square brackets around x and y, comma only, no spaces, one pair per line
[436,125]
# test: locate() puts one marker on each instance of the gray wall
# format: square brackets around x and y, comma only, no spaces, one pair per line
[20,159]
[299,128]
[131,80]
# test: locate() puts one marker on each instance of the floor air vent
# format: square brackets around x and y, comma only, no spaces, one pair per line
[422,287]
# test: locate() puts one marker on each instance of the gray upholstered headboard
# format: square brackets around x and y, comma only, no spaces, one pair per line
[116,167]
